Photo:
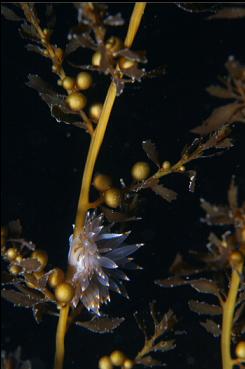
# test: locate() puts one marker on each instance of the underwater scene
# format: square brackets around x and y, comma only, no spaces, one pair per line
[123,185]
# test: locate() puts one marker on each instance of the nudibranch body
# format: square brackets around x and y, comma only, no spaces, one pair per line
[95,260]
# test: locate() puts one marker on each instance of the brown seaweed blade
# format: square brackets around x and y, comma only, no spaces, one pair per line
[164,192]
[211,327]
[219,117]
[114,20]
[79,40]
[138,56]
[35,48]
[205,286]
[27,31]
[202,308]
[117,216]
[151,151]
[179,267]
[220,92]
[59,109]
[38,84]
[216,214]
[171,282]
[9,14]
[38,310]
[201,285]
[229,13]
[148,361]
[164,346]
[20,299]
[60,116]
[101,325]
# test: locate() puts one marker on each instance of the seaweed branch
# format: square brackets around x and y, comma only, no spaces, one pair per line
[228,314]
[83,204]
[97,138]
[226,254]
[163,325]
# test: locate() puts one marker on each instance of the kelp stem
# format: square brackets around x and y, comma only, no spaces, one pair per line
[94,148]
[97,138]
[60,337]
[228,313]
[95,144]
[134,23]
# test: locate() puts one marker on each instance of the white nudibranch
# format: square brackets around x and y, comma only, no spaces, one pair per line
[95,260]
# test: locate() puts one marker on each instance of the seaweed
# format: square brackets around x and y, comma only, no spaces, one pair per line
[109,204]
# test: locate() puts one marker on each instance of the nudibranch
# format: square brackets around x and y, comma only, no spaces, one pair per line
[95,260]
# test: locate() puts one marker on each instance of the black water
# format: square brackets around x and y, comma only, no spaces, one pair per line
[42,163]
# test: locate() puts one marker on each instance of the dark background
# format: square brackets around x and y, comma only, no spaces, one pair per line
[43,160]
